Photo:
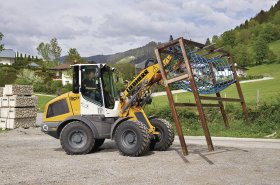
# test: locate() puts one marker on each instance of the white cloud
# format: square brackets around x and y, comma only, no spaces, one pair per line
[96,26]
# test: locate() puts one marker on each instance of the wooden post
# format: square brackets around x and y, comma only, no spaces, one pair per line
[196,97]
[239,90]
[172,105]
[222,108]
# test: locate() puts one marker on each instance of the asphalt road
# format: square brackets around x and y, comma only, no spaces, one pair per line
[31,157]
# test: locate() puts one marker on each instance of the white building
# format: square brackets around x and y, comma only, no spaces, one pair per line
[7,57]
[63,73]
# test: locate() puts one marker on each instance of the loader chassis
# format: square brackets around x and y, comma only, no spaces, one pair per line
[84,118]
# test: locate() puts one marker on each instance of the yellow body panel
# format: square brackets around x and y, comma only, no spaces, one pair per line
[73,103]
[131,113]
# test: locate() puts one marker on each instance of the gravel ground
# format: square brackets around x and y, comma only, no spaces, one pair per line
[31,157]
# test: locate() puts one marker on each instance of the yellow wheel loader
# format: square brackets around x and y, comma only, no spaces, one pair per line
[92,112]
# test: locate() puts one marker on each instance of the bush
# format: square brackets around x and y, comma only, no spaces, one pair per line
[7,75]
[250,77]
[264,120]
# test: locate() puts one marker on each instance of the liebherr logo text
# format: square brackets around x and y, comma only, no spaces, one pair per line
[135,82]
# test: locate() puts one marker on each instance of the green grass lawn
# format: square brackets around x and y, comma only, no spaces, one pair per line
[42,100]
[269,90]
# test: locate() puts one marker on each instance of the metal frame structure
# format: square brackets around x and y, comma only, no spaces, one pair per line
[182,43]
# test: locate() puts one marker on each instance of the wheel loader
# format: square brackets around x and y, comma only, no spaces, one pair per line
[92,112]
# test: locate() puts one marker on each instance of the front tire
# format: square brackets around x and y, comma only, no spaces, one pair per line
[132,138]
[76,138]
[165,138]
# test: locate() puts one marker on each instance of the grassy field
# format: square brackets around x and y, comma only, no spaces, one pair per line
[42,100]
[269,90]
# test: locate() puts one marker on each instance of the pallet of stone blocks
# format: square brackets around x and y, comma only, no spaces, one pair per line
[18,108]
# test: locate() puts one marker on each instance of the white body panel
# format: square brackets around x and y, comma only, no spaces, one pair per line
[89,108]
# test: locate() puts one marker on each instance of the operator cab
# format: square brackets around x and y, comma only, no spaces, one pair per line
[96,85]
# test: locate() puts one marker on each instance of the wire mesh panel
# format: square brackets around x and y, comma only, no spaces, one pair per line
[212,73]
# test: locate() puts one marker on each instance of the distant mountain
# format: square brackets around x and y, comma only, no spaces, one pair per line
[98,58]
[135,56]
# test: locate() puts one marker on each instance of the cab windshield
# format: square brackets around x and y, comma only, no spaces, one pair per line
[109,89]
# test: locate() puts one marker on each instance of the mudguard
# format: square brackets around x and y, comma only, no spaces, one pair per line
[116,124]
[86,121]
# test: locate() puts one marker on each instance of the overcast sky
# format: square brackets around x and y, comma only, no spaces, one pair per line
[110,26]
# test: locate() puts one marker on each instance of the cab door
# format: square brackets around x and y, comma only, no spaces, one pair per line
[91,90]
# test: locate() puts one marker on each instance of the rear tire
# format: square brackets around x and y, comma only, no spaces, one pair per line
[132,138]
[165,139]
[76,138]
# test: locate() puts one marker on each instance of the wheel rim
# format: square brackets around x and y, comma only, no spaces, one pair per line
[77,139]
[129,139]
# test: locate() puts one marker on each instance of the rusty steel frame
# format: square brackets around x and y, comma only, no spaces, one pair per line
[190,77]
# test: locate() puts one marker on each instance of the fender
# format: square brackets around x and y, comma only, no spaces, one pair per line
[86,121]
[152,117]
[116,124]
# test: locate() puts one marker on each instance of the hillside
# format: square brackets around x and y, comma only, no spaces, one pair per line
[256,41]
[275,47]
[133,55]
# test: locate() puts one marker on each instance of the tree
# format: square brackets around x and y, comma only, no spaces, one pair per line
[270,32]
[50,51]
[215,38]
[229,38]
[242,36]
[73,57]
[125,70]
[276,18]
[207,42]
[1,45]
[55,50]
[241,55]
[261,50]
[44,50]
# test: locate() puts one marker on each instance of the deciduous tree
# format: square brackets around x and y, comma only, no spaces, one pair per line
[261,50]
[55,50]
[73,57]
[50,51]
[44,50]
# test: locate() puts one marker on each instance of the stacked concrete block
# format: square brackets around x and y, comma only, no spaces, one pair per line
[10,90]
[18,107]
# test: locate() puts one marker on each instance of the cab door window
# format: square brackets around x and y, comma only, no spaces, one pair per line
[90,87]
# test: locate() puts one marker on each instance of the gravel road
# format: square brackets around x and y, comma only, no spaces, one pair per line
[31,157]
